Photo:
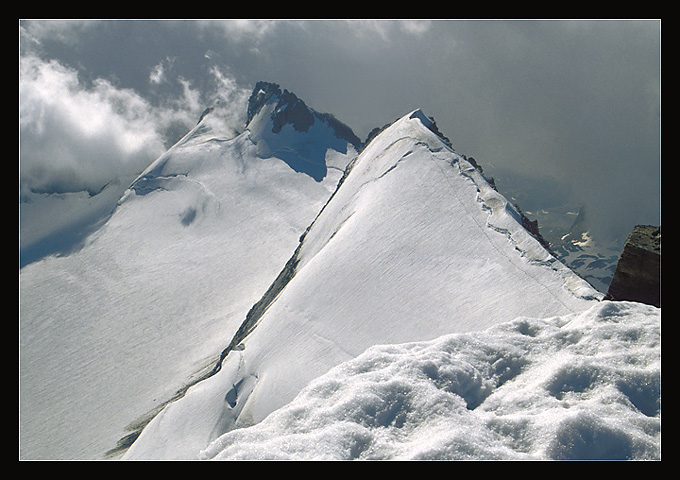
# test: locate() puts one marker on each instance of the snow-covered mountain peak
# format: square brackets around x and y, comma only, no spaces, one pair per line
[413,244]
[285,108]
[425,120]
[283,126]
[415,119]
[171,273]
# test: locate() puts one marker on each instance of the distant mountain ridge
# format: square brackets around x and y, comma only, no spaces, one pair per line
[593,261]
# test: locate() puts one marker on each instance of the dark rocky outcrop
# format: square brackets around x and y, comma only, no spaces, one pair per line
[289,108]
[292,110]
[638,272]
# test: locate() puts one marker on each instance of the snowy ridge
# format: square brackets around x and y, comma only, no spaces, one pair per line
[506,220]
[401,253]
[502,216]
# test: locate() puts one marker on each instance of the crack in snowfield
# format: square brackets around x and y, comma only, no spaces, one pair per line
[137,426]
[499,210]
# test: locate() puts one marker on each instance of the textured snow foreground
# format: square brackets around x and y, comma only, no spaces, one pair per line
[579,386]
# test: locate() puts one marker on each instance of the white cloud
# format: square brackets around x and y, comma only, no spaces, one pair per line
[160,73]
[77,137]
[74,138]
[386,30]
[190,99]
[415,27]
[65,31]
[227,92]
[157,74]
[242,29]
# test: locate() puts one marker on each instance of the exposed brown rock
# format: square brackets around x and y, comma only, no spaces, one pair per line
[638,272]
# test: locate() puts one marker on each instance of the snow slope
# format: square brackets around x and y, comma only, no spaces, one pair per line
[114,330]
[53,223]
[414,244]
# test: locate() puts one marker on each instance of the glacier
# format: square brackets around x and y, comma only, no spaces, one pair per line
[291,294]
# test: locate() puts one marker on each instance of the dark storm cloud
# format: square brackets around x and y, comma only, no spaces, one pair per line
[574,101]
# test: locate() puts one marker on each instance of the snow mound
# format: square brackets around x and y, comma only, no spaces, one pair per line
[579,386]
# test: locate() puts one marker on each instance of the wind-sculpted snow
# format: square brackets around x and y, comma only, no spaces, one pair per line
[579,386]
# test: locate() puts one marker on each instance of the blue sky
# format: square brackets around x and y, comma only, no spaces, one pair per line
[571,103]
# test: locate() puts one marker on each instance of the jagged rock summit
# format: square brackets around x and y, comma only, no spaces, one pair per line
[289,109]
[281,123]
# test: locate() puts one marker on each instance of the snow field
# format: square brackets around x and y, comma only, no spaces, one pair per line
[423,322]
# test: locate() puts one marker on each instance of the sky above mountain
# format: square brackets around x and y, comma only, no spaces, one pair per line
[573,102]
